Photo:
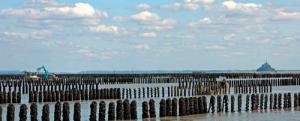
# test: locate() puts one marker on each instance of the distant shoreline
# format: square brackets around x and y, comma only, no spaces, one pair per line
[144,71]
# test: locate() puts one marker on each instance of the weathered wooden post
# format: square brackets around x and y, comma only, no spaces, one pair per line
[163,92]
[133,111]
[162,109]
[57,112]
[182,107]
[111,111]
[120,110]
[126,107]
[289,100]
[10,112]
[212,104]
[191,105]
[93,115]
[271,101]
[66,111]
[298,98]
[247,102]
[9,97]
[23,113]
[1,110]
[102,108]
[253,104]
[145,110]
[187,106]
[279,100]
[45,113]
[33,112]
[77,112]
[148,92]
[261,102]
[219,104]
[134,93]
[232,103]
[225,101]
[143,90]
[266,102]
[169,107]
[275,101]
[204,101]
[285,100]
[152,108]
[196,106]
[295,100]
[174,107]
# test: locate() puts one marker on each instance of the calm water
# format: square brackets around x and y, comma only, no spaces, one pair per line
[269,115]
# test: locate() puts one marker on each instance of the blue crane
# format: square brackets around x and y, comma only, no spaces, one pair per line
[46,75]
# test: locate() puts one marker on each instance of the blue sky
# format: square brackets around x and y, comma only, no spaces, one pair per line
[75,35]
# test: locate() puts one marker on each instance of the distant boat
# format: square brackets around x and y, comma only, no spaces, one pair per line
[266,67]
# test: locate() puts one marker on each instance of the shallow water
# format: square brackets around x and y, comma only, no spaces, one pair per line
[246,116]
[268,115]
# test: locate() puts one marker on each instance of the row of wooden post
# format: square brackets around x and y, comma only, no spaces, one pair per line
[126,110]
[74,95]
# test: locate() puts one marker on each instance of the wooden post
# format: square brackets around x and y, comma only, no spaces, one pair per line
[102,108]
[111,111]
[162,109]
[145,110]
[93,115]
[120,110]
[10,112]
[23,113]
[66,111]
[45,113]
[133,111]
[174,107]
[232,103]
[126,107]
[57,112]
[77,112]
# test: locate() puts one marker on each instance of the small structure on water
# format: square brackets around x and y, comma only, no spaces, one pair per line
[266,67]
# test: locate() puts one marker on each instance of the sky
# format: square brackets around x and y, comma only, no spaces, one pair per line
[76,35]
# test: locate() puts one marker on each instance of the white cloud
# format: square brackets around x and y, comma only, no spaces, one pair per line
[87,53]
[79,9]
[148,34]
[104,29]
[288,15]
[246,7]
[145,16]
[163,24]
[142,46]
[215,47]
[205,20]
[153,21]
[143,6]
[46,2]
[176,6]
[26,12]
[33,35]
[229,36]
[92,54]
[204,2]
[188,4]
